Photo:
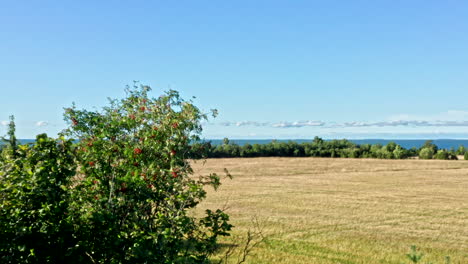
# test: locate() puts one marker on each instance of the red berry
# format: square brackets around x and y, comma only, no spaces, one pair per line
[124,187]
[174,174]
[142,108]
[95,182]
[91,163]
[132,116]
[175,125]
[173,152]
[74,122]
[137,151]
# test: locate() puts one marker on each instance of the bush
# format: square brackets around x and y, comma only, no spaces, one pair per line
[35,222]
[461,150]
[429,144]
[441,154]
[466,156]
[400,153]
[426,153]
[120,194]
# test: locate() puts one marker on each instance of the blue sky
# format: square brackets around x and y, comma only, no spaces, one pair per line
[273,69]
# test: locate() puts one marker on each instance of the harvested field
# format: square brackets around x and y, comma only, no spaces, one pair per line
[323,210]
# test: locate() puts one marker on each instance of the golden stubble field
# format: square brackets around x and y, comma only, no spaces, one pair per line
[323,210]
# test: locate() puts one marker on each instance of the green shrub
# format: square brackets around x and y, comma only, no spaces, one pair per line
[34,203]
[466,156]
[121,194]
[400,153]
[441,154]
[426,153]
[429,144]
[461,150]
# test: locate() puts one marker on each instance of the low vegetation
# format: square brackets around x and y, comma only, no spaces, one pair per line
[322,148]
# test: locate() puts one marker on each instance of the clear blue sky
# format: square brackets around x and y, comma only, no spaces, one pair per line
[273,69]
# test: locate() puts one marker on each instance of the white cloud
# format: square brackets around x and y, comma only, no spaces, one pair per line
[41,123]
[298,124]
[277,125]
[251,123]
[244,123]
[406,123]
[4,123]
[451,118]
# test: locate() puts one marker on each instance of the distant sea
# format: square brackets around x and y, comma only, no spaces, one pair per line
[406,143]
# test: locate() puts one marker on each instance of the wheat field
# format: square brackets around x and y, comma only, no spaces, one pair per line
[324,210]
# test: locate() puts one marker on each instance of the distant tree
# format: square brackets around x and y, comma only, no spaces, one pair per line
[317,141]
[258,150]
[385,153]
[431,145]
[441,154]
[426,153]
[391,146]
[461,150]
[11,141]
[400,153]
[375,150]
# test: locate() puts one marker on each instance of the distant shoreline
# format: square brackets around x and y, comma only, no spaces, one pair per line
[406,143]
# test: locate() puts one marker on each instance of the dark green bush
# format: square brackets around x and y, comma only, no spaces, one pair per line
[120,194]
[35,223]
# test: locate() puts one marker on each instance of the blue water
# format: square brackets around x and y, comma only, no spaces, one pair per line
[406,143]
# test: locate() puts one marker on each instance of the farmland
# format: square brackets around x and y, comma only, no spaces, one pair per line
[325,210]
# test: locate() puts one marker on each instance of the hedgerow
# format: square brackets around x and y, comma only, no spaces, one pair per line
[319,148]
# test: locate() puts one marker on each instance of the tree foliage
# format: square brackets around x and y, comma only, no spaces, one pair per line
[318,148]
[120,193]
[426,153]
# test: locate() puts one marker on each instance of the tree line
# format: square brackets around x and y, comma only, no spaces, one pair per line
[322,148]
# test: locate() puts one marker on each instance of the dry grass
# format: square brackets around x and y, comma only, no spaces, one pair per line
[346,210]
